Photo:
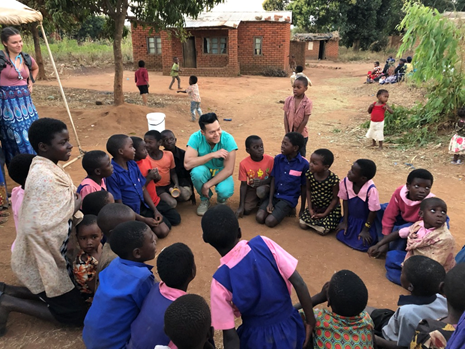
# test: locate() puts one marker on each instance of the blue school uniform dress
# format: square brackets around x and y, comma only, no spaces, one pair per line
[359,209]
[253,281]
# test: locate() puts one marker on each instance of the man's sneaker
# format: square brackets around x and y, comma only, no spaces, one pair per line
[203,207]
[221,202]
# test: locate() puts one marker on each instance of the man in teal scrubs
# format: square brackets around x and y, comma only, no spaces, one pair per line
[211,155]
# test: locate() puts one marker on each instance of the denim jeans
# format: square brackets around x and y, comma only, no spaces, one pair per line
[195,106]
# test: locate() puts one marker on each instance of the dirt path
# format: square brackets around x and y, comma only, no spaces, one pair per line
[340,104]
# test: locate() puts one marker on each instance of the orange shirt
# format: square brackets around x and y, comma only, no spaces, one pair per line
[144,167]
[250,170]
[164,165]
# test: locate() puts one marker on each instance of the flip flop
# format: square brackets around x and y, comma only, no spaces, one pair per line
[4,214]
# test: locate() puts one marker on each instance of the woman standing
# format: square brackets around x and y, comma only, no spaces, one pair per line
[17,112]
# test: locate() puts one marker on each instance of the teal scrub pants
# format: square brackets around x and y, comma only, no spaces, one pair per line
[202,174]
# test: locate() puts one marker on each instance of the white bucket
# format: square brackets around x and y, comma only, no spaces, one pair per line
[156,121]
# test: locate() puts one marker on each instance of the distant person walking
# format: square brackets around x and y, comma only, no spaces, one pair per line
[175,73]
[141,77]
[17,74]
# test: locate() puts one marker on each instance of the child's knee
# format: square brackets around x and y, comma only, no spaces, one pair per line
[161,231]
[271,221]
[171,201]
[261,216]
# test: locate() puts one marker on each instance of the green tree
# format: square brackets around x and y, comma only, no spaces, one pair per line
[158,13]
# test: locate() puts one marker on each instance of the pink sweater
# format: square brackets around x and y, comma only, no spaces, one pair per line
[399,204]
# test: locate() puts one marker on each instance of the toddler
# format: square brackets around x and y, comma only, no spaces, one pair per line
[375,74]
[360,202]
[323,212]
[175,73]
[429,237]
[141,77]
[98,166]
[457,143]
[377,111]
[299,73]
[287,182]
[297,111]
[254,280]
[89,236]
[255,176]
[124,285]
[193,91]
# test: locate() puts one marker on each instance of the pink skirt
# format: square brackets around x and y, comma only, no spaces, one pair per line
[457,145]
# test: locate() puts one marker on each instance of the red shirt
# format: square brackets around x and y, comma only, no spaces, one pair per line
[377,114]
[142,76]
[144,167]
[250,170]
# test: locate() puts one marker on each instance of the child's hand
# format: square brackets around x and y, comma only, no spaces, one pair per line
[372,105]
[324,289]
[77,202]
[158,217]
[151,222]
[255,183]
[366,237]
[342,226]
[154,175]
[240,212]
[270,208]
[318,216]
[385,107]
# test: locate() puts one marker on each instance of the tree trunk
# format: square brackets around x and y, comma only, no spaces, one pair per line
[119,18]
[38,53]
[356,45]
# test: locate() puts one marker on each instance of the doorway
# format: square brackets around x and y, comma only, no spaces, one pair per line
[189,54]
[322,50]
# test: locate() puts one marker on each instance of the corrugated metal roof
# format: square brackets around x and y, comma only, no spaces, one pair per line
[315,36]
[232,19]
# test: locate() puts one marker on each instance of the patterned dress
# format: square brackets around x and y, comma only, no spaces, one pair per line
[322,195]
[85,269]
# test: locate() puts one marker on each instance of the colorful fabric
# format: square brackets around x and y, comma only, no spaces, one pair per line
[457,145]
[376,131]
[321,196]
[250,170]
[45,220]
[333,331]
[84,270]
[164,165]
[295,116]
[17,112]
[432,334]
[193,92]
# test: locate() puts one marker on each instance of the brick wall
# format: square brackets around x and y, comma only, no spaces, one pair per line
[332,50]
[275,46]
[312,54]
[140,51]
[297,49]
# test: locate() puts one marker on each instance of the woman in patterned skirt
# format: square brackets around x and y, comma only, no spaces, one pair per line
[17,112]
[323,213]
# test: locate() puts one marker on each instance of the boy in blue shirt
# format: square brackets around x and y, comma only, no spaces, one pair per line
[124,285]
[287,182]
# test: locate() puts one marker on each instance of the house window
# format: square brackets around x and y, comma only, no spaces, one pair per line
[154,45]
[310,45]
[257,41]
[215,46]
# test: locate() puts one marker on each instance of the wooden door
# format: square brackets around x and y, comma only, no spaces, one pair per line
[189,54]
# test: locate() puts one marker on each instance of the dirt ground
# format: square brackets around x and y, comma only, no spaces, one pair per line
[253,103]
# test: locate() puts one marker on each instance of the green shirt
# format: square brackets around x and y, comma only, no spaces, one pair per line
[174,70]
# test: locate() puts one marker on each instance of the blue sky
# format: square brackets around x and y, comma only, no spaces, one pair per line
[240,5]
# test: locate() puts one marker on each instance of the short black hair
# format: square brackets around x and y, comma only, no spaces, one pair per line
[250,139]
[175,264]
[326,155]
[377,63]
[86,221]
[115,143]
[166,131]
[409,59]
[299,69]
[43,130]
[153,134]
[141,63]
[420,174]
[381,91]
[367,168]
[347,294]
[296,139]
[188,321]
[126,237]
[425,274]
[111,214]
[432,201]
[19,168]
[403,60]
[220,227]
[454,287]
[193,79]
[136,141]
[92,160]
[207,118]
[94,202]
[304,81]
[461,112]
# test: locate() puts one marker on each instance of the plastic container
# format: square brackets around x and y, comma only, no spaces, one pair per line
[156,121]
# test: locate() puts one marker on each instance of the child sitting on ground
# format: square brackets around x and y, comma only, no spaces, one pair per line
[299,73]
[89,236]
[98,166]
[193,92]
[422,277]
[184,176]
[287,182]
[323,212]
[127,185]
[403,208]
[375,74]
[457,143]
[254,174]
[124,285]
[360,202]
[429,237]
[164,162]
[255,279]
[94,202]
[176,268]
[297,110]
[152,176]
[377,111]
[434,334]
[347,325]
[188,323]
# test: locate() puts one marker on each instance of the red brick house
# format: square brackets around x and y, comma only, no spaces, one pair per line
[219,44]
[315,46]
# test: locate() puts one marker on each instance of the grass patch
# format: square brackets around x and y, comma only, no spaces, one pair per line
[350,55]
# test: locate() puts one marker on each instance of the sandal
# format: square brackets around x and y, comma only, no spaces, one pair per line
[4,214]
